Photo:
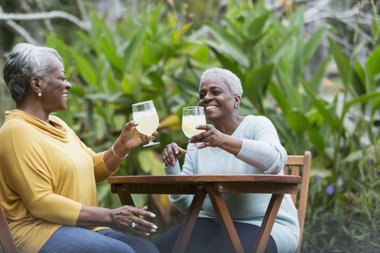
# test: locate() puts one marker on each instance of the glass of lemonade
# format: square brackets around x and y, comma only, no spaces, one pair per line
[192,116]
[145,114]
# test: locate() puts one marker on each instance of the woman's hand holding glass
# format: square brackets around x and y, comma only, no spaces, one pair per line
[209,137]
[192,116]
[127,140]
[145,114]
[133,138]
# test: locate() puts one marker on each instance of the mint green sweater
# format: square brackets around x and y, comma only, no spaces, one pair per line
[261,153]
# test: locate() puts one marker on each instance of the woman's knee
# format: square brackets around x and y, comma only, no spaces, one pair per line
[116,247]
[74,239]
[137,243]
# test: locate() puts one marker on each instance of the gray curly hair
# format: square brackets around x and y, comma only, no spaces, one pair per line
[229,78]
[24,62]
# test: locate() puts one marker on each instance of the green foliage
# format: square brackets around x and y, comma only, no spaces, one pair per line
[348,219]
[157,56]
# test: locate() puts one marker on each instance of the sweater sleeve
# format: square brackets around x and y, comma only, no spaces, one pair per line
[173,170]
[263,150]
[30,176]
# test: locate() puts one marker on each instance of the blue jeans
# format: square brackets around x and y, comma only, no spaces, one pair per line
[76,239]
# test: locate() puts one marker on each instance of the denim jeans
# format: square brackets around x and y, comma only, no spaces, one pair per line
[76,239]
[208,237]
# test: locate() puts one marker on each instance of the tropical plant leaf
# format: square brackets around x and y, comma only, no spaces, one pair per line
[226,62]
[341,61]
[311,46]
[228,45]
[297,121]
[362,99]
[372,67]
[289,89]
[256,83]
[108,48]
[297,65]
[321,106]
[133,48]
[280,98]
[316,139]
[85,69]
[256,27]
[316,79]
[359,79]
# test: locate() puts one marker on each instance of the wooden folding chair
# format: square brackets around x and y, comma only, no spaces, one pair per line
[300,165]
[6,240]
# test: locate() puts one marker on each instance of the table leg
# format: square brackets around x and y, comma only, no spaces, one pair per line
[191,218]
[268,221]
[224,217]
[124,196]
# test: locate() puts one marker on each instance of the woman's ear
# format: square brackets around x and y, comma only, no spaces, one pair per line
[237,100]
[36,84]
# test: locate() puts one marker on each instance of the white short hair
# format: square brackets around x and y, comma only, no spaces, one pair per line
[24,62]
[229,78]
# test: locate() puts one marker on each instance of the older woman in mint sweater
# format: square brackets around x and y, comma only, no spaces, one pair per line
[231,144]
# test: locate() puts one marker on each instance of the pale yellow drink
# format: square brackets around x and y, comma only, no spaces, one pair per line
[192,116]
[190,122]
[145,114]
[148,121]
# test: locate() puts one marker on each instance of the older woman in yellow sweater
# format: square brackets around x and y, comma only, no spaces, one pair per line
[48,176]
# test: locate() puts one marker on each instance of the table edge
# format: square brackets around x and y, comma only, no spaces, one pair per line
[204,178]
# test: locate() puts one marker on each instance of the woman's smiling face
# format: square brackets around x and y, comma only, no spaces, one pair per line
[217,99]
[56,88]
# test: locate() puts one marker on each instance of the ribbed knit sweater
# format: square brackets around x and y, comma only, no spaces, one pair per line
[261,153]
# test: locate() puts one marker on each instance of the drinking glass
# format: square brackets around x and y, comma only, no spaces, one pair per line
[192,116]
[145,114]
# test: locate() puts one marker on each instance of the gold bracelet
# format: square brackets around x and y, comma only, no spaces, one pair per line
[116,155]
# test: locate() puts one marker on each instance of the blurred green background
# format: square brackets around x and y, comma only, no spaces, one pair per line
[312,67]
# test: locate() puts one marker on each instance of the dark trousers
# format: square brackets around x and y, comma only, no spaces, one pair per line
[208,237]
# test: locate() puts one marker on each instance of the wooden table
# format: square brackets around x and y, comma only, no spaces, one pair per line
[214,186]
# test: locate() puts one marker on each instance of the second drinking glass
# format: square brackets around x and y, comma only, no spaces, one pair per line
[192,116]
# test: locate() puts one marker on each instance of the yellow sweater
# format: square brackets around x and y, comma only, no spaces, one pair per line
[46,175]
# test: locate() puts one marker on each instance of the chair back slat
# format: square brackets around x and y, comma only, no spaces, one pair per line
[296,170]
[300,165]
[286,170]
[6,240]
